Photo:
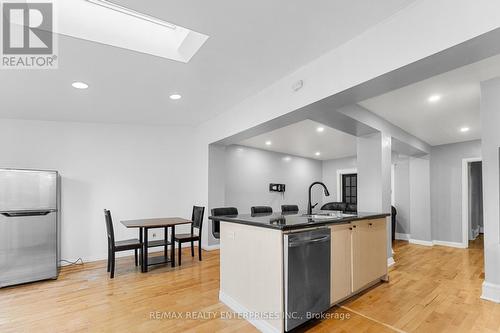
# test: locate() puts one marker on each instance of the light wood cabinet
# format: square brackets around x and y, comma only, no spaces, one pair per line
[340,269]
[359,256]
[369,252]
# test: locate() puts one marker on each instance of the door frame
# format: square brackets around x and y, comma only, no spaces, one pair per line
[465,198]
[341,172]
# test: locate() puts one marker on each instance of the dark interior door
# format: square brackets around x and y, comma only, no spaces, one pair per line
[350,188]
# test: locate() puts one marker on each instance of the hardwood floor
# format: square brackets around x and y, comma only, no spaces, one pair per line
[431,289]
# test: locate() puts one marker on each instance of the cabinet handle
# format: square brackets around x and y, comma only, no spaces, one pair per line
[354,226]
[350,228]
[370,224]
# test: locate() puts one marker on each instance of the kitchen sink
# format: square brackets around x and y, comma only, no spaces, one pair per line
[328,216]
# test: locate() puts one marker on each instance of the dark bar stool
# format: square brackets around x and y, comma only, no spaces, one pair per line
[197,218]
[261,210]
[289,208]
[117,246]
[221,212]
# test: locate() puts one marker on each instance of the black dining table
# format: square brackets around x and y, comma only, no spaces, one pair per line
[144,225]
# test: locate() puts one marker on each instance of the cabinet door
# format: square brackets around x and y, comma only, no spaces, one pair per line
[340,286]
[378,231]
[369,257]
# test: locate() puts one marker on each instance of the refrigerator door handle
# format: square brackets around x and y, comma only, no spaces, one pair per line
[25,214]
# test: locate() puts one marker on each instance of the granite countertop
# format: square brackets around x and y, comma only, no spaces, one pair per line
[290,221]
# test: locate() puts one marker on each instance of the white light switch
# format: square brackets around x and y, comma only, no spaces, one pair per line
[230,235]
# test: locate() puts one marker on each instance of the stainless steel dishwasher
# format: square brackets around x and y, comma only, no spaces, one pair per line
[307,275]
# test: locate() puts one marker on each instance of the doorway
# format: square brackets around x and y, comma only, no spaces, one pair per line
[472,202]
[475,200]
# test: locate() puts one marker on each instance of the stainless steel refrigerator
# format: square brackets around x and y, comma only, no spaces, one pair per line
[29,202]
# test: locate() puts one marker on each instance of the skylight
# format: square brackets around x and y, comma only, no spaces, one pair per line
[111,24]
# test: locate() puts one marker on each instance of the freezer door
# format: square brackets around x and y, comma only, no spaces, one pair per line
[27,190]
[28,248]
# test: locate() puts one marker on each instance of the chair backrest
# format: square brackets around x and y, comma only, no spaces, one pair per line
[352,208]
[289,208]
[222,211]
[197,218]
[334,206]
[109,227]
[261,209]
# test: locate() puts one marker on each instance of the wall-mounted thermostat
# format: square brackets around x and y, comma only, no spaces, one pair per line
[276,187]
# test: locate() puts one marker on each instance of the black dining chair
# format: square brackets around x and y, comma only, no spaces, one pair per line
[351,208]
[289,208]
[222,211]
[118,246]
[261,210]
[339,206]
[197,218]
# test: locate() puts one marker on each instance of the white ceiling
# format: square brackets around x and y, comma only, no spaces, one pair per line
[440,122]
[302,139]
[251,45]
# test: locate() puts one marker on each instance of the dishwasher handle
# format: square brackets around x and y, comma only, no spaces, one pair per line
[309,241]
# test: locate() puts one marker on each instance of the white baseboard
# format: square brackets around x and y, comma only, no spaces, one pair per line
[260,324]
[210,247]
[402,236]
[449,244]
[491,292]
[390,262]
[420,242]
[437,242]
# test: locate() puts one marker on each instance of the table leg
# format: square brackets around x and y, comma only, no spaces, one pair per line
[145,260]
[141,257]
[166,244]
[172,253]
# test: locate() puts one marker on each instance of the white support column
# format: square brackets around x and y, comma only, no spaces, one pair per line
[490,143]
[374,178]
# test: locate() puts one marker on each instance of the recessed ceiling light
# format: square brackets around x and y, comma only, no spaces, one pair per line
[287,159]
[175,97]
[268,143]
[464,129]
[320,129]
[434,98]
[80,85]
[317,153]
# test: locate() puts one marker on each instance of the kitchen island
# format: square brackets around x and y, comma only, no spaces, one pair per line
[277,269]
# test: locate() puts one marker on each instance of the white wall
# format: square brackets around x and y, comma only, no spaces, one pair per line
[420,203]
[216,187]
[446,188]
[249,171]
[402,194]
[134,171]
[329,171]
